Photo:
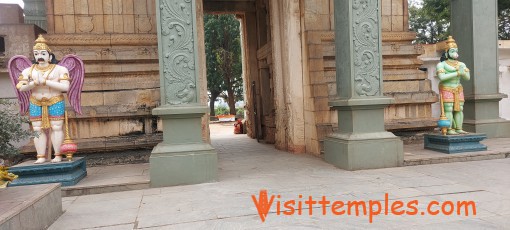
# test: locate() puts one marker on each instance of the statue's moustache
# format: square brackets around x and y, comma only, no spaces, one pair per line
[40,59]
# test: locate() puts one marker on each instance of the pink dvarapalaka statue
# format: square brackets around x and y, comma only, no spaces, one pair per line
[39,86]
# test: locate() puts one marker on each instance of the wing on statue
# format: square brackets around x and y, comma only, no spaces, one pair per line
[76,72]
[15,66]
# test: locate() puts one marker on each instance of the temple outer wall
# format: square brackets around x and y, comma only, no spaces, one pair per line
[410,87]
[14,35]
[288,75]
[18,40]
[117,40]
[118,44]
[504,78]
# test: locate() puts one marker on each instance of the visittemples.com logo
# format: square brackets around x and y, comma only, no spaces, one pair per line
[276,204]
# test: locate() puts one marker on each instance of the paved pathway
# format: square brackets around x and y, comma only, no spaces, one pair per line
[246,167]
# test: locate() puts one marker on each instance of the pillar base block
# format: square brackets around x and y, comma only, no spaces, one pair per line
[184,164]
[364,151]
[494,128]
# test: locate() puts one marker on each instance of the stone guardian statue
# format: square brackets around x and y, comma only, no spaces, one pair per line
[39,86]
[450,71]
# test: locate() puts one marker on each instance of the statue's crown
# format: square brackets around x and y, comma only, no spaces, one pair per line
[450,43]
[40,44]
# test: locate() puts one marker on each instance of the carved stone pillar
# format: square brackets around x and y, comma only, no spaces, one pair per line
[361,141]
[35,13]
[470,20]
[183,157]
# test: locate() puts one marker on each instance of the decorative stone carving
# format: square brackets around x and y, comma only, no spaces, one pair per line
[419,48]
[67,51]
[178,51]
[144,23]
[106,52]
[102,40]
[366,48]
[395,47]
[85,24]
[143,51]
[391,36]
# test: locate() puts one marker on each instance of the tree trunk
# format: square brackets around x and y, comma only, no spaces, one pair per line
[214,96]
[231,101]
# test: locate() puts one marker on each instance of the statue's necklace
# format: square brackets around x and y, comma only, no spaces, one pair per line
[43,69]
[454,64]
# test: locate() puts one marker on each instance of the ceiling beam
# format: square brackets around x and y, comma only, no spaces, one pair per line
[218,6]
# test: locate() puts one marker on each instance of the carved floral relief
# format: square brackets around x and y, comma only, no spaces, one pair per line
[144,23]
[366,48]
[178,50]
[85,24]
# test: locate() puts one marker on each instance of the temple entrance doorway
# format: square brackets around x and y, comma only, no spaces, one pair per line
[257,79]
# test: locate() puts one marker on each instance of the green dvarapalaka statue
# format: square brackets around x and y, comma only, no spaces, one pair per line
[449,72]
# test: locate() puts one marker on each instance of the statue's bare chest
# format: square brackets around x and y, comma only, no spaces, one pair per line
[50,74]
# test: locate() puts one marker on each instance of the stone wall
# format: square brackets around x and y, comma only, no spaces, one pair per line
[287,45]
[11,14]
[402,80]
[117,41]
[292,45]
[19,40]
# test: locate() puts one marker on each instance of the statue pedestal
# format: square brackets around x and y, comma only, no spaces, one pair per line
[67,173]
[455,143]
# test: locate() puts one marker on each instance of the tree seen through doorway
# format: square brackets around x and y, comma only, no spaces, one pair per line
[223,60]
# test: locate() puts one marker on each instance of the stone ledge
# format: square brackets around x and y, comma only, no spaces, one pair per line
[101,39]
[30,207]
[410,124]
[109,143]
[457,158]
[329,36]
[107,188]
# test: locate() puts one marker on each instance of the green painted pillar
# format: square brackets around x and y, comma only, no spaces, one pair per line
[361,141]
[474,27]
[183,157]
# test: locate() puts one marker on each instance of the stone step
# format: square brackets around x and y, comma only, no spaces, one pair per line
[30,207]
[451,158]
[82,190]
[107,179]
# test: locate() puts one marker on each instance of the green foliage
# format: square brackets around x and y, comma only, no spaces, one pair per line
[431,21]
[504,19]
[240,112]
[10,129]
[223,58]
[221,110]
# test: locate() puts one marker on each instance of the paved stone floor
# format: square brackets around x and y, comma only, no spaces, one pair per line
[246,167]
